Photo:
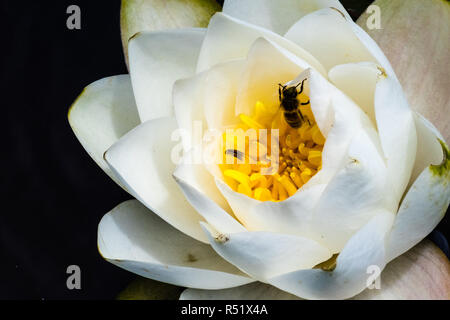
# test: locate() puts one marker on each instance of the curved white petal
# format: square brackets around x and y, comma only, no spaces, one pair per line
[252,291]
[422,208]
[381,96]
[265,254]
[429,150]
[228,38]
[199,189]
[220,90]
[358,81]
[188,102]
[142,160]
[328,35]
[103,112]
[156,60]
[278,15]
[132,237]
[366,248]
[357,192]
[397,132]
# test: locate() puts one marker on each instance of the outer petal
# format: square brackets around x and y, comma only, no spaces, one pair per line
[253,291]
[364,249]
[326,31]
[264,254]
[422,208]
[152,15]
[142,161]
[218,48]
[103,112]
[277,16]
[133,238]
[429,150]
[393,116]
[421,273]
[418,49]
[157,59]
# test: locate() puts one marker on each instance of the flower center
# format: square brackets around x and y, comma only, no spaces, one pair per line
[248,154]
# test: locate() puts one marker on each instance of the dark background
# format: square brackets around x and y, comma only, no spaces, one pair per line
[53,194]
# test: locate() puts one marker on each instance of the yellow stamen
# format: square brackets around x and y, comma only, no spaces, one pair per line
[299,154]
[263,194]
[238,176]
[245,189]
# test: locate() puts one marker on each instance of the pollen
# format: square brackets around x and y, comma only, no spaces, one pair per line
[299,153]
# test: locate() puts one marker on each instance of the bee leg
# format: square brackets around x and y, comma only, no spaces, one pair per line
[279,93]
[304,103]
[301,87]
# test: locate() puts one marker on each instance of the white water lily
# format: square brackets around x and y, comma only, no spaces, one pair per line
[381,183]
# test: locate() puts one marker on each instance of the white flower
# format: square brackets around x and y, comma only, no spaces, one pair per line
[374,195]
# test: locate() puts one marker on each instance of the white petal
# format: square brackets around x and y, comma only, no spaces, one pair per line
[429,150]
[265,254]
[354,195]
[397,132]
[292,216]
[103,112]
[358,81]
[278,15]
[156,60]
[198,187]
[188,108]
[381,97]
[252,291]
[228,39]
[422,208]
[221,87]
[329,37]
[132,237]
[143,163]
[366,248]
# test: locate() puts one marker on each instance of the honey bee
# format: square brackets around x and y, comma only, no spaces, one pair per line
[289,103]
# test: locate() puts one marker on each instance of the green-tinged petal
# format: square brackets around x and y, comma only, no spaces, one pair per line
[365,249]
[429,149]
[414,36]
[103,112]
[265,254]
[154,15]
[142,161]
[133,238]
[422,208]
[157,60]
[329,37]
[279,15]
[147,289]
[218,48]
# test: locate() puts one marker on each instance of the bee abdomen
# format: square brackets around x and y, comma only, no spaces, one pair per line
[293,118]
